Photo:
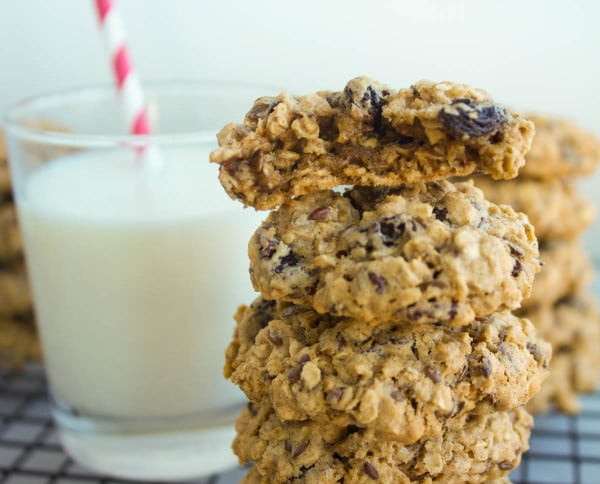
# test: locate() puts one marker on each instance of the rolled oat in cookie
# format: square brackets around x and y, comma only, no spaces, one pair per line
[479,449]
[560,149]
[370,135]
[427,253]
[403,382]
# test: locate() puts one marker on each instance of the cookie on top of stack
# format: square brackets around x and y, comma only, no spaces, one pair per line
[18,340]
[563,311]
[382,347]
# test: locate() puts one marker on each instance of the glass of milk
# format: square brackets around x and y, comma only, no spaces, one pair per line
[138,260]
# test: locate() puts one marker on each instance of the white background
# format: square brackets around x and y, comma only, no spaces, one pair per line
[541,55]
[534,55]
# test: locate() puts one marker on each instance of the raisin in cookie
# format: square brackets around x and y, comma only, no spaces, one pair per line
[367,135]
[554,206]
[572,325]
[483,448]
[566,268]
[433,252]
[560,149]
[402,381]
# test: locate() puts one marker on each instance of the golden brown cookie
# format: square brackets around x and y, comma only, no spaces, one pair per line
[435,252]
[566,268]
[573,327]
[11,242]
[401,381]
[483,448]
[367,134]
[5,183]
[15,295]
[554,206]
[572,318]
[253,477]
[560,149]
[571,372]
[19,343]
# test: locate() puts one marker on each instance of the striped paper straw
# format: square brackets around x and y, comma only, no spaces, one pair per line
[127,80]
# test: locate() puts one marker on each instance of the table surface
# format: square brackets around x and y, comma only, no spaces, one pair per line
[564,449]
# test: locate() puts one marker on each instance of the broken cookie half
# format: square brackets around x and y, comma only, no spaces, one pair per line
[367,134]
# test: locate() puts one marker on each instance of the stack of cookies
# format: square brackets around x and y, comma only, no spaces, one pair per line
[18,341]
[382,347]
[564,313]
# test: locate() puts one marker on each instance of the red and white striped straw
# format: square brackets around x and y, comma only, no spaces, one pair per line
[127,80]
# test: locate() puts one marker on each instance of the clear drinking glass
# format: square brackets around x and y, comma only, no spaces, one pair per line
[137,264]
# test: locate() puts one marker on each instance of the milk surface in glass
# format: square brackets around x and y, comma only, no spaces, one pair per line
[136,275]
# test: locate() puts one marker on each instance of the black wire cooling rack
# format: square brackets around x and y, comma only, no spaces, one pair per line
[564,449]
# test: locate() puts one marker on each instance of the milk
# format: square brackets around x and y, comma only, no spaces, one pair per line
[136,274]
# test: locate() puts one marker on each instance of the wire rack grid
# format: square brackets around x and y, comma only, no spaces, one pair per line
[564,449]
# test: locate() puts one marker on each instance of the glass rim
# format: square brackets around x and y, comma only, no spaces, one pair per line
[12,126]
